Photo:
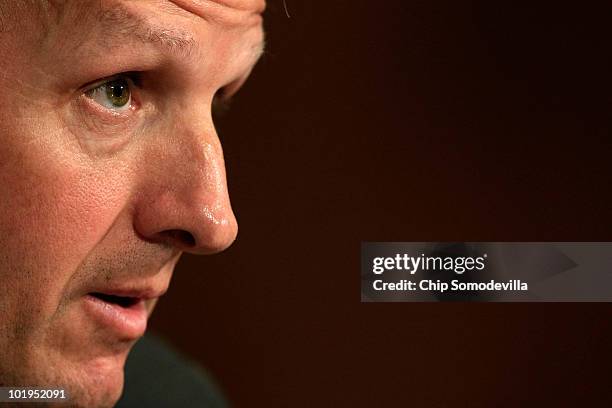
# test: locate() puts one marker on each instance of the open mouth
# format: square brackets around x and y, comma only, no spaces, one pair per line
[123,301]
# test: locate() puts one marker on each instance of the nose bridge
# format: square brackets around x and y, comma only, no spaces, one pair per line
[205,183]
[198,165]
[187,190]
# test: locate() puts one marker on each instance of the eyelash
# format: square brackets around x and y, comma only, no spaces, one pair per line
[134,77]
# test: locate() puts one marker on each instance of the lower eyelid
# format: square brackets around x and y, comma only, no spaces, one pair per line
[101,120]
[100,109]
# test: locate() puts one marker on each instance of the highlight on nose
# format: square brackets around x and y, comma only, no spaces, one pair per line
[203,230]
[218,232]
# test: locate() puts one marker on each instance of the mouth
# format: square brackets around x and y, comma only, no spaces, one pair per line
[123,301]
[124,316]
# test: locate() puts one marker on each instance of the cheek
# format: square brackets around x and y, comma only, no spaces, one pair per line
[53,211]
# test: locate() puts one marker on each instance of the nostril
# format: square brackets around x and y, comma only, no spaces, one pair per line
[183,237]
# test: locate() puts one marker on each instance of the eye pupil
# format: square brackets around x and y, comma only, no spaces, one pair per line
[118,92]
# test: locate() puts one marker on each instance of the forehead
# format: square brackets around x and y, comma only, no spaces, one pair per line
[108,18]
[221,10]
[226,13]
[229,12]
[188,31]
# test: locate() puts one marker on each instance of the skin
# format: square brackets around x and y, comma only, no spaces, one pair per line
[91,196]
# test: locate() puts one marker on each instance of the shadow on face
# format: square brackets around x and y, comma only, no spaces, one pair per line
[110,168]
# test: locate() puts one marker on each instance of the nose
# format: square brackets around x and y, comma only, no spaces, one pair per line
[182,199]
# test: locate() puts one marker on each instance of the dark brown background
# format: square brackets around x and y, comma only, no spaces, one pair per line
[406,121]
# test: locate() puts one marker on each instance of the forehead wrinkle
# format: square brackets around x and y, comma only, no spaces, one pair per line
[253,6]
[225,12]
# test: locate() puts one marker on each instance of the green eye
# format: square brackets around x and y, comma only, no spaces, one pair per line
[114,94]
[118,92]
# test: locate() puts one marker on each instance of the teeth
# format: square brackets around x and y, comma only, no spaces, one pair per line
[122,301]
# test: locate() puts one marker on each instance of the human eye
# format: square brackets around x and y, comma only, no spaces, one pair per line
[114,94]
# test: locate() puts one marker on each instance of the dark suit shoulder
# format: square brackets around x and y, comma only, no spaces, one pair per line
[158,376]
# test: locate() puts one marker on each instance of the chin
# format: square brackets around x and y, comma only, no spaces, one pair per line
[96,382]
[99,384]
[87,362]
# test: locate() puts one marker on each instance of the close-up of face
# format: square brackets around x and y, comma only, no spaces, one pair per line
[110,168]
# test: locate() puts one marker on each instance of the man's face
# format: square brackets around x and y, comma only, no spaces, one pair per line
[110,167]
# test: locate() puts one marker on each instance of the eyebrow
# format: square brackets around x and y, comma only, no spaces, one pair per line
[119,22]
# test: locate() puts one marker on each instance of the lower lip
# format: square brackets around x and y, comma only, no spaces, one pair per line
[128,323]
